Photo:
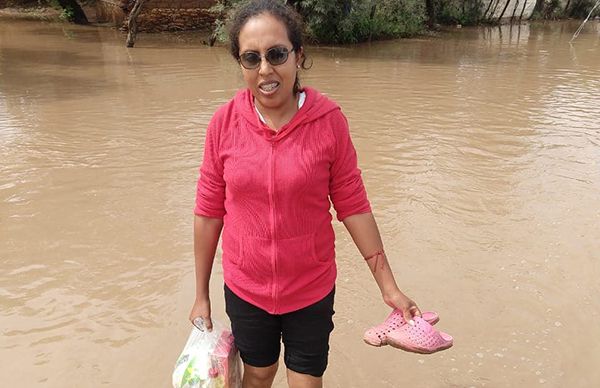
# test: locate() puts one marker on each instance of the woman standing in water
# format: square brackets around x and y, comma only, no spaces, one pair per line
[274,157]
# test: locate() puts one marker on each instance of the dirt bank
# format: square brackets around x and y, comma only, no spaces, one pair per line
[31,13]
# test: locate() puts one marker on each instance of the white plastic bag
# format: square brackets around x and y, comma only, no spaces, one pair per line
[209,360]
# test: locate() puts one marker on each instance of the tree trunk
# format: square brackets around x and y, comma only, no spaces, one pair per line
[347,7]
[371,17]
[485,13]
[132,22]
[567,6]
[491,15]
[523,10]
[503,10]
[512,17]
[431,13]
[72,5]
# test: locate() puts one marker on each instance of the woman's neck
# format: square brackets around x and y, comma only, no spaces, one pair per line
[278,117]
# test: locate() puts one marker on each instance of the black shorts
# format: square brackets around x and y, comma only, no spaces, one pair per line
[305,334]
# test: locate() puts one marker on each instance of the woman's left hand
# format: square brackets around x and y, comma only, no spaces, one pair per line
[396,299]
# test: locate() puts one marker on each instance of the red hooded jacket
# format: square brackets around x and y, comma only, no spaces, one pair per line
[273,191]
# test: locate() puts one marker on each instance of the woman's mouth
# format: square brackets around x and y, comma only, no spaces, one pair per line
[268,88]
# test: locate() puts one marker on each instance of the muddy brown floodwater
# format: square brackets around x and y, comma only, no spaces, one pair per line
[480,150]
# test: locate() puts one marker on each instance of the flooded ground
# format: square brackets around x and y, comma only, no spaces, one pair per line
[480,151]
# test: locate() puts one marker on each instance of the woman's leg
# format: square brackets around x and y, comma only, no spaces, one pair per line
[259,377]
[257,335]
[306,340]
[301,380]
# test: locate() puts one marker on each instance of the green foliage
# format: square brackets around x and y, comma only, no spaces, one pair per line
[54,4]
[327,19]
[552,9]
[219,31]
[465,12]
[580,9]
[68,14]
[400,18]
[344,21]
[223,11]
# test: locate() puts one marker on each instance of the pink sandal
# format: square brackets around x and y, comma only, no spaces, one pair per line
[420,338]
[378,335]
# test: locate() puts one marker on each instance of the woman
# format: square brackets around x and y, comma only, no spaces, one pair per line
[274,157]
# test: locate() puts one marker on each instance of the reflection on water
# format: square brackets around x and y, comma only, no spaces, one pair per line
[481,154]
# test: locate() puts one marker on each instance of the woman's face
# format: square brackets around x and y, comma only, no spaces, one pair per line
[272,86]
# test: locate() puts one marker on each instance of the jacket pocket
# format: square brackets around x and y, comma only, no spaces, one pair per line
[296,256]
[256,256]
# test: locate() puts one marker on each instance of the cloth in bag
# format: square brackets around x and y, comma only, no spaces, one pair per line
[209,360]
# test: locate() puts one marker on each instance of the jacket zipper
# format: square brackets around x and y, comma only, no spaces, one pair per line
[273,231]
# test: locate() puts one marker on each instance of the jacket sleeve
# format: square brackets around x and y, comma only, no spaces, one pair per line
[210,190]
[346,188]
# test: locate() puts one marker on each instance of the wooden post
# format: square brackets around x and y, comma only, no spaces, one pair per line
[132,22]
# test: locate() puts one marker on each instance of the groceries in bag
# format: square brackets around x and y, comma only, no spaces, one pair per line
[208,360]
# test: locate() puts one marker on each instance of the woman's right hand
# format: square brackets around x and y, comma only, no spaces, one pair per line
[201,309]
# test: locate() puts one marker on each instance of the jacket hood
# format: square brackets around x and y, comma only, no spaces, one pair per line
[315,106]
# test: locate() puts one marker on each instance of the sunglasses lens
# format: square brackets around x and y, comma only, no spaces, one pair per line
[277,55]
[250,60]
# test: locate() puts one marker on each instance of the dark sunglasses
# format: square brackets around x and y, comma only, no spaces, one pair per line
[275,56]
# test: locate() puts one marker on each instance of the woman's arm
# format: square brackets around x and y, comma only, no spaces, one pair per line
[206,237]
[364,232]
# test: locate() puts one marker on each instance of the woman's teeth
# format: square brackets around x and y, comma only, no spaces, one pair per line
[269,87]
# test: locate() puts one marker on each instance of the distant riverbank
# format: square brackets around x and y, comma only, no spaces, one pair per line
[32,13]
[321,28]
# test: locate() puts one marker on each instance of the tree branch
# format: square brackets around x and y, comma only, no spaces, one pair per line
[132,22]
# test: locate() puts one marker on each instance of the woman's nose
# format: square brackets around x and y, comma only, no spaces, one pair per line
[264,67]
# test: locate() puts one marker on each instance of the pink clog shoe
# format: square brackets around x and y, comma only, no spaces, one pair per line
[419,338]
[377,335]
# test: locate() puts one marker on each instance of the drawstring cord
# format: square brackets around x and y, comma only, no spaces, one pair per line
[376,257]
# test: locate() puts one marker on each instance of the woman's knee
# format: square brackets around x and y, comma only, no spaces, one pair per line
[302,380]
[259,377]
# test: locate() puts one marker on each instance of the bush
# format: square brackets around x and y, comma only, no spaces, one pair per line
[465,12]
[580,9]
[552,9]
[344,21]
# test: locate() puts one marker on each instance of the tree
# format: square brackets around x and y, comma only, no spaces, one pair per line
[431,13]
[132,22]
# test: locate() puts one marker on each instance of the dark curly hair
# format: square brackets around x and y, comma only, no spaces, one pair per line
[285,14]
